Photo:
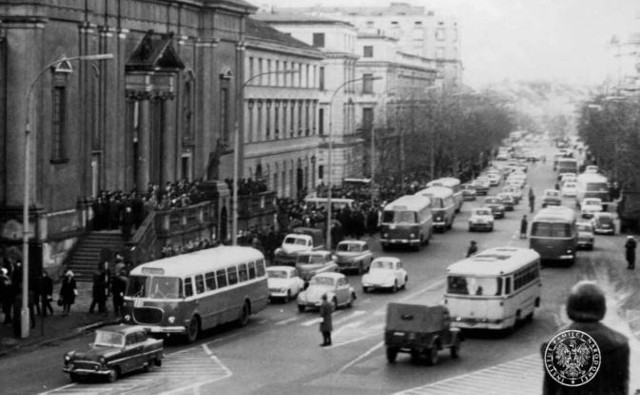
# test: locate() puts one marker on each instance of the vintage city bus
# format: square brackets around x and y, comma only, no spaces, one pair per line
[554,234]
[407,221]
[188,293]
[494,289]
[442,206]
[455,186]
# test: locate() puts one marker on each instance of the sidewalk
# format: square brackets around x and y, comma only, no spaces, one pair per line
[57,327]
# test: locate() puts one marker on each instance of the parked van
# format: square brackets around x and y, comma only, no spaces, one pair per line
[407,221]
[442,206]
[454,185]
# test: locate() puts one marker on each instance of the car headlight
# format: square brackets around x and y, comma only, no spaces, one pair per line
[412,235]
[171,319]
[67,357]
[385,235]
[103,360]
[127,317]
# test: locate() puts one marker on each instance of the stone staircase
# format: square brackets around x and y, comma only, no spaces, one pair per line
[84,260]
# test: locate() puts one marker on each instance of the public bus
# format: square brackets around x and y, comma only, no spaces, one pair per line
[554,234]
[567,165]
[442,206]
[592,185]
[494,289]
[455,186]
[188,293]
[407,221]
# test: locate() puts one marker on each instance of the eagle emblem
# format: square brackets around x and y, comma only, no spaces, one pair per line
[572,358]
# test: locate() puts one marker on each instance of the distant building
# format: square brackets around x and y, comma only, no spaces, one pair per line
[337,41]
[281,110]
[419,31]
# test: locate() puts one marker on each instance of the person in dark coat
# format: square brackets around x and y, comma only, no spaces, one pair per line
[372,221]
[326,326]
[128,221]
[532,200]
[100,290]
[630,252]
[473,248]
[586,307]
[524,225]
[68,292]
[46,295]
[6,294]
[118,288]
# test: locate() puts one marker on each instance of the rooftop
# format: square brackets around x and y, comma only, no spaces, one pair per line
[297,18]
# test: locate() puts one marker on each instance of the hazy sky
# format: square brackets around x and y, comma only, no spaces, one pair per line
[565,40]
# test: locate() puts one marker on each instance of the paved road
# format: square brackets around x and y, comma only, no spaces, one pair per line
[278,352]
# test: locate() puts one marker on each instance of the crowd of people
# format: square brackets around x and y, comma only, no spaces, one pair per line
[248,186]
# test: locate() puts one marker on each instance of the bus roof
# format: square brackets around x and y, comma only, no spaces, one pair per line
[408,203]
[437,192]
[199,261]
[494,262]
[555,213]
[592,177]
[445,182]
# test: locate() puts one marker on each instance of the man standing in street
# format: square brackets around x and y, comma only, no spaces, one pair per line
[524,225]
[100,290]
[326,326]
[532,200]
[630,252]
[473,248]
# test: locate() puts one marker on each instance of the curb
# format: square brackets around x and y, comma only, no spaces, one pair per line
[44,342]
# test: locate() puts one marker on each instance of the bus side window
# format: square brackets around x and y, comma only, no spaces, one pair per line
[507,286]
[210,281]
[252,270]
[221,277]
[260,268]
[232,275]
[188,287]
[242,271]
[199,284]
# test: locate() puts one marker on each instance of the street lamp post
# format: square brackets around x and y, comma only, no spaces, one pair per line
[236,153]
[330,159]
[24,312]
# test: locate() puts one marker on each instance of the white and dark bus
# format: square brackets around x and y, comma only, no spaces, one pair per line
[407,221]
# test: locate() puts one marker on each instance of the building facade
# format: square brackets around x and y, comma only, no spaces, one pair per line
[281,107]
[160,110]
[336,113]
[419,31]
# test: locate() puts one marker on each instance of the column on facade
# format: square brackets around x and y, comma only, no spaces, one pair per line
[292,112]
[170,145]
[284,112]
[260,121]
[250,111]
[268,124]
[144,144]
[276,118]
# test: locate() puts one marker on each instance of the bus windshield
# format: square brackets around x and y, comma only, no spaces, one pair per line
[469,285]
[550,229]
[154,287]
[399,216]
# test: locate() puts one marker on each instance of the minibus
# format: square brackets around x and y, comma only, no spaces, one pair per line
[407,221]
[455,186]
[554,234]
[442,206]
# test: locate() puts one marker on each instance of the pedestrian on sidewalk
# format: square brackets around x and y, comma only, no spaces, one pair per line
[586,307]
[118,288]
[524,225]
[47,294]
[100,290]
[68,292]
[630,252]
[326,326]
[532,200]
[6,294]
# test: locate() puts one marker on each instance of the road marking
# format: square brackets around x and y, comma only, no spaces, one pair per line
[312,322]
[348,317]
[286,321]
[361,357]
[431,287]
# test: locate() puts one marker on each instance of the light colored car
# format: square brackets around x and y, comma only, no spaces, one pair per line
[385,273]
[604,223]
[310,263]
[353,255]
[284,282]
[494,179]
[468,191]
[481,219]
[551,197]
[482,185]
[507,200]
[335,285]
[585,235]
[569,189]
[590,206]
[591,169]
[496,206]
[514,191]
[568,177]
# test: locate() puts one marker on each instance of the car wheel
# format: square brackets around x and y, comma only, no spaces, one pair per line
[158,362]
[365,289]
[392,353]
[432,355]
[288,297]
[360,269]
[334,304]
[244,315]
[74,377]
[193,330]
[301,309]
[470,229]
[406,280]
[491,228]
[455,350]
[395,287]
[113,375]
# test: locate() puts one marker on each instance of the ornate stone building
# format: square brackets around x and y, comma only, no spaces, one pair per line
[161,110]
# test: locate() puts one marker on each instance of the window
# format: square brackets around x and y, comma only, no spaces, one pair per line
[199,284]
[188,287]
[318,40]
[440,34]
[321,171]
[321,79]
[367,83]
[367,51]
[210,281]
[321,122]
[232,275]
[440,53]
[58,128]
[417,23]
[252,270]
[224,112]
[507,286]
[221,277]
[367,119]
[260,271]
[243,273]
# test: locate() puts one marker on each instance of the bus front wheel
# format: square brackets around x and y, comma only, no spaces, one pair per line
[193,330]
[244,315]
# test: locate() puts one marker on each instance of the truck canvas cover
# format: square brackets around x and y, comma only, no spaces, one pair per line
[415,317]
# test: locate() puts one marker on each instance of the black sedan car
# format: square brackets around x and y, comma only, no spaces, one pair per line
[496,206]
[117,349]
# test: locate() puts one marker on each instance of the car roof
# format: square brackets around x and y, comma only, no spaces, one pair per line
[494,261]
[333,275]
[287,268]
[358,242]
[124,329]
[410,202]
